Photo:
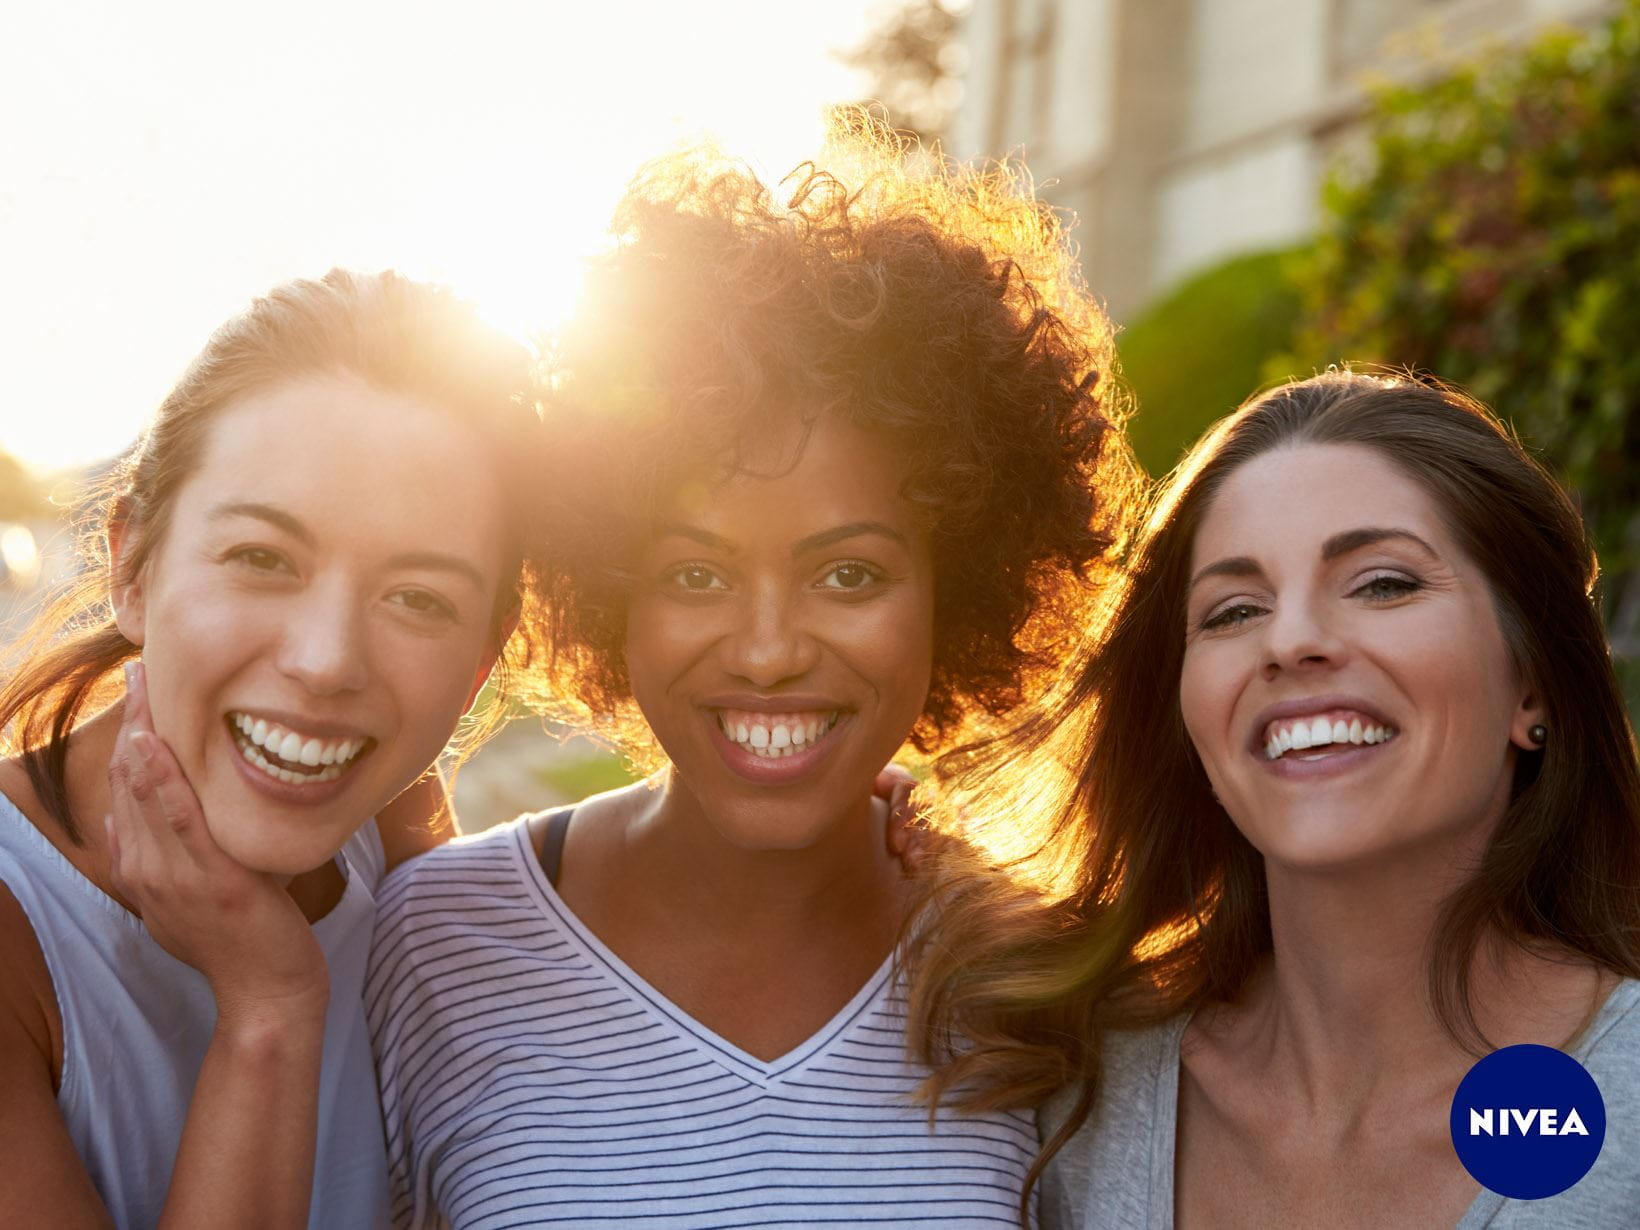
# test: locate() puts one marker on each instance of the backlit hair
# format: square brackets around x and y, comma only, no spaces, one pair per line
[1138,899]
[394,334]
[938,308]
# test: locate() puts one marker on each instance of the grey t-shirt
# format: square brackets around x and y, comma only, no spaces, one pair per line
[1116,1173]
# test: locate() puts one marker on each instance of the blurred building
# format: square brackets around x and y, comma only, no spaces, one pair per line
[1184,131]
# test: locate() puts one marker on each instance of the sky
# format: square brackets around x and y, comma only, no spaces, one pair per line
[163,163]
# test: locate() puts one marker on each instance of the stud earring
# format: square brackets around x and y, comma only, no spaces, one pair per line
[1538,734]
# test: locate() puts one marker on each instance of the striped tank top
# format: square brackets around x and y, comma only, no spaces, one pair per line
[529,1078]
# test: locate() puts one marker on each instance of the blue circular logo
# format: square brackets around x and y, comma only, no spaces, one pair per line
[1528,1121]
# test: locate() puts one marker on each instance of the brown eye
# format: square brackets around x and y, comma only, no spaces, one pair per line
[851,575]
[258,559]
[697,578]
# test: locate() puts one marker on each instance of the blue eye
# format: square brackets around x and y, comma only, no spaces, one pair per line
[1231,616]
[1387,587]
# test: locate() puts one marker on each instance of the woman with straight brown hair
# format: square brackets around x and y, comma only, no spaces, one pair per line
[1343,797]
[306,566]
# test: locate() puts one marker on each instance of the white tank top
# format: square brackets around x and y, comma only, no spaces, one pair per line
[136,1022]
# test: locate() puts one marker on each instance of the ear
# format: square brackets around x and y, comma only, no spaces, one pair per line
[1528,713]
[487,663]
[125,590]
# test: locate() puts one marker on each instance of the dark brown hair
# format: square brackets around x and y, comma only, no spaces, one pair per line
[392,333]
[1146,900]
[940,308]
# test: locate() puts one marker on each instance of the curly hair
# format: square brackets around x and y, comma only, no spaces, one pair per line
[940,308]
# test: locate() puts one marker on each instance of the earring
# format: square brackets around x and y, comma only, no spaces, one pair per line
[1538,734]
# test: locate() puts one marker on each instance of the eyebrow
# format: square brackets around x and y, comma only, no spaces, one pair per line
[825,538]
[1336,546]
[279,518]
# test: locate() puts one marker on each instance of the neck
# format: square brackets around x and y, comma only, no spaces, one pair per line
[684,858]
[1344,1004]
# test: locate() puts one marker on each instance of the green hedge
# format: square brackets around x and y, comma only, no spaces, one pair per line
[1492,236]
[1194,355]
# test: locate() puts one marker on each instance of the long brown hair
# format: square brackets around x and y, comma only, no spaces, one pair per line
[1141,900]
[392,333]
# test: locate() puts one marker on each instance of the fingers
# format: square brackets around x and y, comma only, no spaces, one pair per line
[892,776]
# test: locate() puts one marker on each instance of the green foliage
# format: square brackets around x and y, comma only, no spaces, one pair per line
[1196,354]
[1492,237]
[586,775]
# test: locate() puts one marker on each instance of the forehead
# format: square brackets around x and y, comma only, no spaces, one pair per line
[348,458]
[1292,499]
[827,471]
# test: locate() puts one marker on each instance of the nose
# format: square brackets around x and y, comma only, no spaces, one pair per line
[324,645]
[1299,636]
[768,643]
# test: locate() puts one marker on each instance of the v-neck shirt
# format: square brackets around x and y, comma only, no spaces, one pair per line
[1117,1171]
[530,1077]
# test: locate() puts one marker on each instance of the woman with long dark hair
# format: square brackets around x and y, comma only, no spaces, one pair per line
[1342,797]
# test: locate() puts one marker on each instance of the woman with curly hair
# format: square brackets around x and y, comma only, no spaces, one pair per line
[1343,797]
[830,471]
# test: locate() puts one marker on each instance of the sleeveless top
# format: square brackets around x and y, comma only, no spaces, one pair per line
[1116,1173]
[530,1077]
[136,1022]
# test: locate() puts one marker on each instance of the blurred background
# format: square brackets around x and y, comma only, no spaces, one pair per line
[1259,188]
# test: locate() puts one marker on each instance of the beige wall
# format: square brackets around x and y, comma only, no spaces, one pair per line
[1183,131]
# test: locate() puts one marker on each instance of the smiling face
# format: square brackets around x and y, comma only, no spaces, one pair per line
[317,615]
[1345,679]
[780,639]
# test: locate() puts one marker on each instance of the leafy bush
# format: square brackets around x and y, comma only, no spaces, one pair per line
[1492,236]
[1197,353]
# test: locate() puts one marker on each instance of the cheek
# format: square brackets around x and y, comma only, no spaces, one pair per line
[661,638]
[1206,700]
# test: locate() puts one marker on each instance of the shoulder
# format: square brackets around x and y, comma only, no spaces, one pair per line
[1105,1166]
[436,912]
[444,872]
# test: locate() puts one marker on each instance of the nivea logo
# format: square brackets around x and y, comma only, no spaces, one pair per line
[1528,1121]
[1539,1119]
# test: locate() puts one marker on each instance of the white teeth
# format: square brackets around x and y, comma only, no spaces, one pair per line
[330,756]
[776,736]
[1322,733]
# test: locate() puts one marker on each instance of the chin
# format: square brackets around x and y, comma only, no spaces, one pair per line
[265,849]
